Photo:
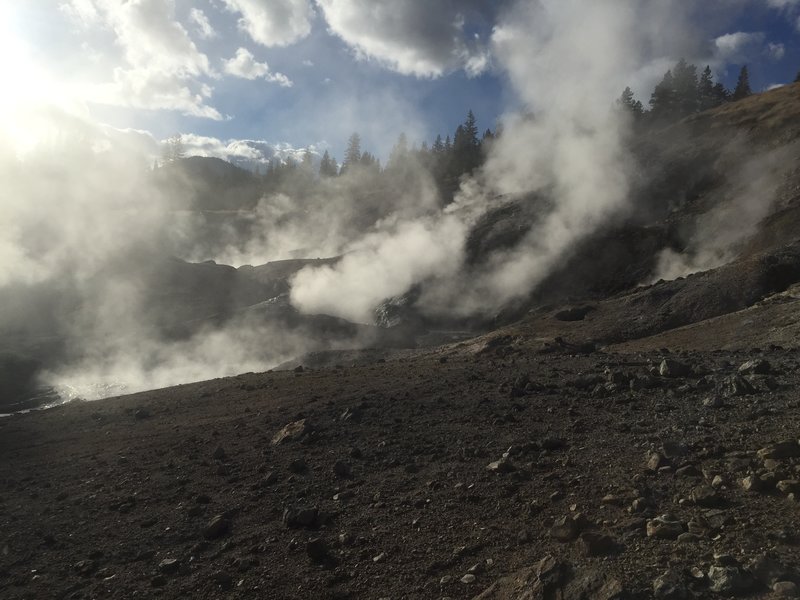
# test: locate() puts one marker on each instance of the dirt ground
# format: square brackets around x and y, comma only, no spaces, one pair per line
[429,475]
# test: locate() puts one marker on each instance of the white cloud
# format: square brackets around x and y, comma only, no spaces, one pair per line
[781,4]
[161,68]
[204,28]
[776,51]
[245,66]
[413,37]
[739,47]
[273,22]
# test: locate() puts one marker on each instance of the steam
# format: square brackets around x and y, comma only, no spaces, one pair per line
[565,59]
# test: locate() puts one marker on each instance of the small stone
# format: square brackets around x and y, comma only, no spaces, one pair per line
[737,386]
[706,497]
[301,518]
[504,465]
[597,544]
[664,527]
[655,461]
[688,471]
[788,486]
[446,580]
[468,578]
[379,558]
[294,431]
[565,529]
[689,538]
[216,528]
[752,483]
[786,589]
[756,367]
[671,586]
[673,368]
[713,402]
[169,566]
[727,580]
[781,450]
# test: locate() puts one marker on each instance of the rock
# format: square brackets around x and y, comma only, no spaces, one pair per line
[767,570]
[597,544]
[752,483]
[728,580]
[317,550]
[756,367]
[673,368]
[217,527]
[788,486]
[786,589]
[713,402]
[468,578]
[169,566]
[689,538]
[504,465]
[707,497]
[664,527]
[446,580]
[670,585]
[85,567]
[737,386]
[293,432]
[781,450]
[552,578]
[301,518]
[379,558]
[655,461]
[342,469]
[565,530]
[688,471]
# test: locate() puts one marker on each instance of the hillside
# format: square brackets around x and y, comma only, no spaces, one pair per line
[629,430]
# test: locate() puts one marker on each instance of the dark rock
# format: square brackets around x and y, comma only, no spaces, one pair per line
[781,450]
[729,580]
[756,367]
[737,386]
[673,368]
[298,466]
[85,567]
[671,585]
[786,589]
[301,518]
[767,570]
[217,527]
[598,544]
[706,497]
[788,486]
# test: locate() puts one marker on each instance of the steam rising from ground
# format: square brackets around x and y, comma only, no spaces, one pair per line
[564,59]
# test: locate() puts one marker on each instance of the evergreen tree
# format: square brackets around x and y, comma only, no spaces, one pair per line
[328,166]
[706,97]
[742,85]
[448,146]
[399,156]
[352,155]
[663,102]
[438,145]
[684,80]
[628,104]
[721,94]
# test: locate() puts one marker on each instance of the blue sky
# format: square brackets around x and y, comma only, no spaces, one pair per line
[310,72]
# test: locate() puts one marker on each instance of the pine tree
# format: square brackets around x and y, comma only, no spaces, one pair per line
[721,94]
[448,146]
[663,101]
[352,155]
[705,90]
[628,104]
[438,145]
[742,85]
[685,84]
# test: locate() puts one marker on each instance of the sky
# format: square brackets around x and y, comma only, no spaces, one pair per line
[292,74]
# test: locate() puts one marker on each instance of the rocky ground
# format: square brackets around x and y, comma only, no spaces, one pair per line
[495,468]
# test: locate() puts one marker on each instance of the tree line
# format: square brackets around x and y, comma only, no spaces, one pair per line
[446,160]
[681,92]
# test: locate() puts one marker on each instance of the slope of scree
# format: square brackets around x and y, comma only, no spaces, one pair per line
[449,473]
